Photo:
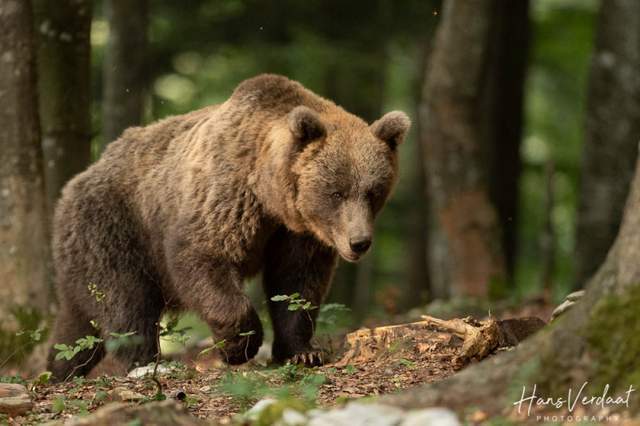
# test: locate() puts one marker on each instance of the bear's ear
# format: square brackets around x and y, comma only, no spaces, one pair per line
[391,128]
[305,124]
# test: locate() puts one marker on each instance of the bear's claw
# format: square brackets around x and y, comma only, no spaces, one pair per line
[308,359]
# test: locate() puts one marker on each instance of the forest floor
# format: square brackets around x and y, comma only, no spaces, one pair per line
[209,389]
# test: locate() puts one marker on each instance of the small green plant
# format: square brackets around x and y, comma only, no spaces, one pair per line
[216,345]
[58,405]
[13,379]
[407,363]
[295,301]
[42,379]
[350,369]
[244,388]
[95,292]
[122,340]
[15,346]
[82,344]
[171,333]
[329,313]
[289,372]
[246,347]
[310,386]
[100,396]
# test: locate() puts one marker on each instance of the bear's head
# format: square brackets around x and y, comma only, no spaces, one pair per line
[336,172]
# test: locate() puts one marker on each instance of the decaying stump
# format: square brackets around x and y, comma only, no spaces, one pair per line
[479,338]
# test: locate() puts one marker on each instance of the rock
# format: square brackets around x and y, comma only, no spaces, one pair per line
[15,400]
[122,394]
[358,414]
[431,417]
[164,413]
[292,418]
[147,370]
[258,408]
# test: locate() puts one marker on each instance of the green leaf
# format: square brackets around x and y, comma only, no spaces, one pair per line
[58,405]
[294,307]
[247,333]
[120,335]
[43,378]
[280,298]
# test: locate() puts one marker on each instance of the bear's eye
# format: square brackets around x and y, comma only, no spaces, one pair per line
[337,195]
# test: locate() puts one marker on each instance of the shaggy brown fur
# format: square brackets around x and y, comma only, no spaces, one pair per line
[179,213]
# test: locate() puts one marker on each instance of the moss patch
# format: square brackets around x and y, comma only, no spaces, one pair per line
[613,338]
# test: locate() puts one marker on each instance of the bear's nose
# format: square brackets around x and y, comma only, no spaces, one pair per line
[360,244]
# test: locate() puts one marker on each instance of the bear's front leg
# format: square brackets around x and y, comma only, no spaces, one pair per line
[296,264]
[213,289]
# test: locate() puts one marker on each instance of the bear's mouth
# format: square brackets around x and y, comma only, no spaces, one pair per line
[349,255]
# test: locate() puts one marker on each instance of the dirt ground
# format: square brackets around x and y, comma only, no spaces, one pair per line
[211,389]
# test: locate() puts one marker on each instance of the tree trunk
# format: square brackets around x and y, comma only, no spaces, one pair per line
[466,253]
[502,111]
[64,58]
[125,73]
[420,290]
[612,133]
[23,231]
[597,341]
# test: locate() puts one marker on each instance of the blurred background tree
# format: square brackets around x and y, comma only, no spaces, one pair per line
[24,259]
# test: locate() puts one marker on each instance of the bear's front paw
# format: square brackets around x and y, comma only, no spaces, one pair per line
[310,358]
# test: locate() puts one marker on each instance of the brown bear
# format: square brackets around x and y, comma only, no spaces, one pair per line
[177,214]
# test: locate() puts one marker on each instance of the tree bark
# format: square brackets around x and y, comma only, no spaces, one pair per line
[597,341]
[503,110]
[612,133]
[64,58]
[23,231]
[420,290]
[125,71]
[466,253]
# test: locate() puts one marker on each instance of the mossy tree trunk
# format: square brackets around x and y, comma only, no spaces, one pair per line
[612,133]
[465,247]
[64,57]
[598,341]
[23,231]
[125,67]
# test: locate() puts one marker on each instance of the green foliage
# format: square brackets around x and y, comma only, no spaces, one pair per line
[13,379]
[96,292]
[245,388]
[219,345]
[297,385]
[15,346]
[613,335]
[82,344]
[330,313]
[171,332]
[407,363]
[295,302]
[58,405]
[43,378]
[122,340]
